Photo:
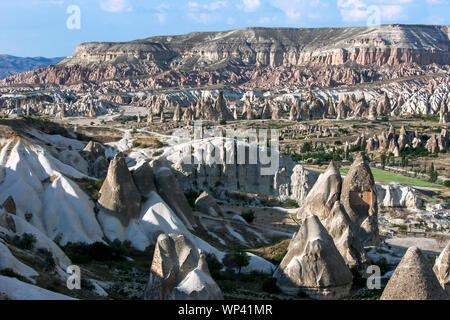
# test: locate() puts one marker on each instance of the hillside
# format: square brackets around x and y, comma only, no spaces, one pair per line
[11,65]
[257,56]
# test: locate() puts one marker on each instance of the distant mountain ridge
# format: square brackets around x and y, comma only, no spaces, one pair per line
[11,65]
[255,58]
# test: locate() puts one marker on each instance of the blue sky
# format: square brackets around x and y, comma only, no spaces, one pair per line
[39,27]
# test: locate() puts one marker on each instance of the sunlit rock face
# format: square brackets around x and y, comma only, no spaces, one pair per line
[359,198]
[255,55]
[313,264]
[179,272]
[413,279]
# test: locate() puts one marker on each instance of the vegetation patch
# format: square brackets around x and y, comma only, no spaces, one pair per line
[98,251]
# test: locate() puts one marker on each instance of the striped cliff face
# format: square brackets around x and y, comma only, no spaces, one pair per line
[241,56]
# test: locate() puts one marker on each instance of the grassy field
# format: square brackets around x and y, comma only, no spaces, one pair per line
[386,176]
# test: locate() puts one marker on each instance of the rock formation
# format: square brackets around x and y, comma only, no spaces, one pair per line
[442,269]
[324,201]
[93,151]
[150,116]
[169,189]
[325,192]
[177,114]
[9,205]
[384,105]
[413,279]
[444,113]
[313,264]
[343,232]
[143,178]
[267,111]
[119,195]
[255,56]
[221,108]
[397,196]
[438,142]
[235,114]
[189,114]
[359,198]
[206,204]
[302,181]
[286,181]
[247,113]
[179,272]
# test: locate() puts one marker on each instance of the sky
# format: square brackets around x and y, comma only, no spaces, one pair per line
[54,28]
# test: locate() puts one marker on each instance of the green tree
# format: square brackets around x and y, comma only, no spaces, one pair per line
[238,259]
[248,216]
[433,173]
[307,147]
[383,160]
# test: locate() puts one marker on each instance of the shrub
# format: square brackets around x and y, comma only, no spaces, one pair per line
[248,216]
[12,274]
[447,183]
[279,257]
[26,241]
[191,196]
[270,286]
[94,189]
[238,259]
[119,248]
[49,262]
[306,147]
[98,251]
[223,122]
[214,265]
[87,285]
[157,153]
[384,266]
[291,204]
[358,279]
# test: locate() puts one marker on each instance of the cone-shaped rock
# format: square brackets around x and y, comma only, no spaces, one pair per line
[325,192]
[206,204]
[179,272]
[9,205]
[119,194]
[169,189]
[93,151]
[342,230]
[313,264]
[442,269]
[267,111]
[223,113]
[144,179]
[359,198]
[177,114]
[413,279]
[100,167]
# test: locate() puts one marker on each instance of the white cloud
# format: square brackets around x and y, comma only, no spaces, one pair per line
[201,17]
[213,6]
[297,9]
[216,5]
[205,13]
[353,10]
[362,10]
[162,17]
[230,21]
[115,5]
[250,5]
